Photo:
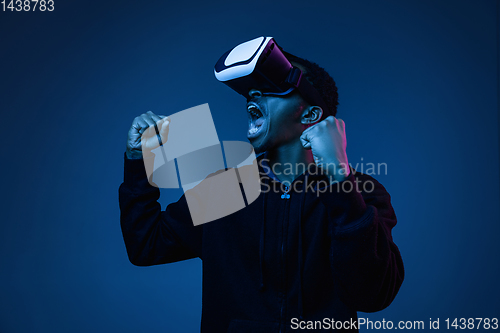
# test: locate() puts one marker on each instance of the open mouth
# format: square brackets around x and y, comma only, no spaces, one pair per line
[255,119]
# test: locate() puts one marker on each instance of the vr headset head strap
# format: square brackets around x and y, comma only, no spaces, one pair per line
[310,94]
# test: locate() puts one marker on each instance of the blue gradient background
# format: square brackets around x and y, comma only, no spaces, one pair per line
[418,91]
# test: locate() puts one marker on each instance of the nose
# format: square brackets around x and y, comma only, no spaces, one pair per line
[254,93]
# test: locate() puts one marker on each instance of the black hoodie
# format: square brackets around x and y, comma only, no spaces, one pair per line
[284,261]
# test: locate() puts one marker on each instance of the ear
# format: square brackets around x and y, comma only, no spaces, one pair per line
[311,115]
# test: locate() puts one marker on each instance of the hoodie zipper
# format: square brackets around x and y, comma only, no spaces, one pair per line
[284,225]
[286,195]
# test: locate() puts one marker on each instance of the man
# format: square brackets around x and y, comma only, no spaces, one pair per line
[315,246]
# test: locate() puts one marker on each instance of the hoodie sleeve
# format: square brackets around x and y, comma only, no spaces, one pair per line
[365,261]
[153,236]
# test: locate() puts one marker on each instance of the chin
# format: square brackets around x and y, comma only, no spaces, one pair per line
[258,147]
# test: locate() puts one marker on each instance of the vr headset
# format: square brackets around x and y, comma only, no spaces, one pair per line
[260,64]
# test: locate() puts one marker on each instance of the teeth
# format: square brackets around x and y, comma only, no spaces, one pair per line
[255,114]
[254,111]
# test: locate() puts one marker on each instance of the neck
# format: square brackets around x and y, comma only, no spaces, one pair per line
[289,161]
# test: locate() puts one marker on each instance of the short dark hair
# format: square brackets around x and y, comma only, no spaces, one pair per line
[320,80]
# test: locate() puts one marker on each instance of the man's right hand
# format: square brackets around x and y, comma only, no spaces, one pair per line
[142,137]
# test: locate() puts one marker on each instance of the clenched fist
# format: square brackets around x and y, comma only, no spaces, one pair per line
[328,143]
[143,136]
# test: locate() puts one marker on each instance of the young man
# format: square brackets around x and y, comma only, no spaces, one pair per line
[311,251]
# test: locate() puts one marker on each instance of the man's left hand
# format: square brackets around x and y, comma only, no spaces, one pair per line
[327,142]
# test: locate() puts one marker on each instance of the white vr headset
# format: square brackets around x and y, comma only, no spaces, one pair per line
[260,64]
